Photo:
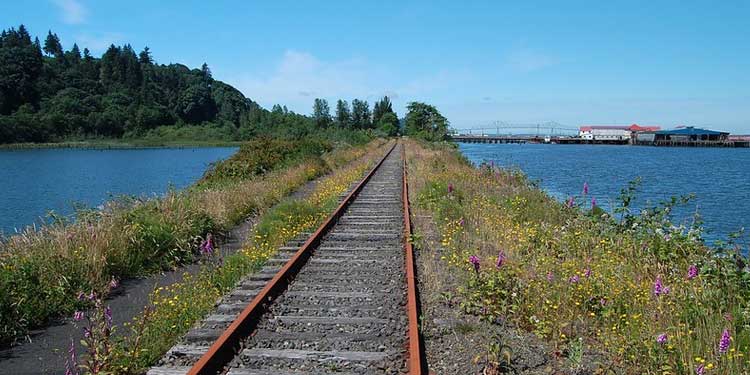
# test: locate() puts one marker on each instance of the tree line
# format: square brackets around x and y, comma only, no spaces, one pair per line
[359,116]
[50,94]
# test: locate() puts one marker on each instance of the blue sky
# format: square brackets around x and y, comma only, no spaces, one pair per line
[573,62]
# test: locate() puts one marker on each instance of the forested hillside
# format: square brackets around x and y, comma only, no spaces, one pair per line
[49,94]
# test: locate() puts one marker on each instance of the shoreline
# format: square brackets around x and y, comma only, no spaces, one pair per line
[716,228]
[116,145]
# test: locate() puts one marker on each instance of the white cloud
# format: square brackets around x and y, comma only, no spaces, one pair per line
[527,60]
[299,77]
[73,12]
[98,43]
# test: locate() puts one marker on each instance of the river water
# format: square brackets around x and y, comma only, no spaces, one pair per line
[34,182]
[719,177]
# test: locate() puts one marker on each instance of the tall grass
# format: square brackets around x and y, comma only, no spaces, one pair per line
[175,309]
[640,288]
[43,270]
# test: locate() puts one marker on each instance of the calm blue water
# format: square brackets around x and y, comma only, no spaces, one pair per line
[33,182]
[720,178]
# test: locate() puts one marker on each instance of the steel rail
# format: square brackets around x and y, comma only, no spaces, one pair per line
[416,365]
[224,348]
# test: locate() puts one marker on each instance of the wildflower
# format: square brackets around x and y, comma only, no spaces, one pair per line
[593,202]
[585,188]
[78,316]
[587,272]
[207,247]
[450,188]
[474,260]
[724,342]
[661,339]
[700,370]
[86,332]
[71,364]
[108,316]
[550,276]
[571,202]
[574,279]
[81,296]
[92,296]
[113,284]
[692,272]
[659,288]
[500,259]
[461,222]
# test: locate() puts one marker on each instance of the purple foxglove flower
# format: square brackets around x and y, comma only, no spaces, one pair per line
[108,316]
[587,272]
[71,364]
[550,276]
[700,370]
[78,316]
[661,339]
[593,202]
[585,188]
[461,222]
[113,284]
[474,260]
[81,296]
[500,259]
[450,188]
[571,202]
[92,296]
[658,287]
[86,332]
[574,279]
[602,301]
[692,272]
[726,338]
[207,247]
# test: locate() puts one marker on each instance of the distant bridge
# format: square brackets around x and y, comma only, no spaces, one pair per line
[501,128]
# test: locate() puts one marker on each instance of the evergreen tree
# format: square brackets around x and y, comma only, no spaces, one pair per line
[52,45]
[361,116]
[343,114]
[20,68]
[321,113]
[382,107]
[74,56]
[145,57]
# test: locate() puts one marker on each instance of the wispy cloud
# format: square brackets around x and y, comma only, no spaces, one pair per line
[528,60]
[300,76]
[98,42]
[73,12]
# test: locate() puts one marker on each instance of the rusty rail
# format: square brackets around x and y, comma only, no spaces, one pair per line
[416,364]
[223,349]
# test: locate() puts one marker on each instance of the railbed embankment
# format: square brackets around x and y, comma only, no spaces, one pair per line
[629,294]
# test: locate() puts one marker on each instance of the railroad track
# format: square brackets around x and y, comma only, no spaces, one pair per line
[341,300]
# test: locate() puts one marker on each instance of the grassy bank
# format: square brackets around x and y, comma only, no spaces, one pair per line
[43,271]
[646,292]
[174,310]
